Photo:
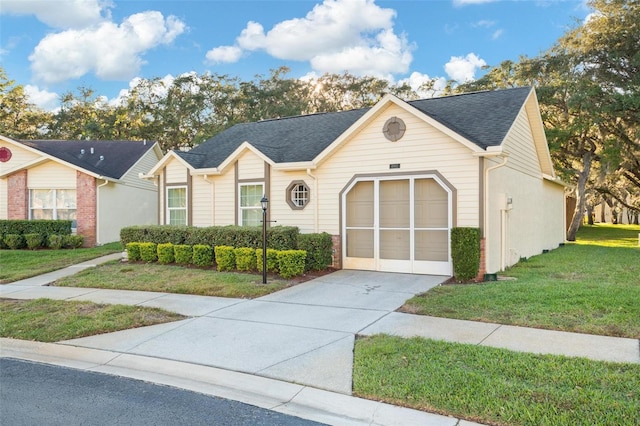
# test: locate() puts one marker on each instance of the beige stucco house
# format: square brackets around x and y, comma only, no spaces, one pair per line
[388,182]
[95,184]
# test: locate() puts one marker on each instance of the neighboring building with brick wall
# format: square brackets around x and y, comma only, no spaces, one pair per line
[388,182]
[95,184]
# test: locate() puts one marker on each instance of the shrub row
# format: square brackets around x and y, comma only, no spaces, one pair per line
[288,263]
[34,241]
[43,228]
[278,237]
[317,246]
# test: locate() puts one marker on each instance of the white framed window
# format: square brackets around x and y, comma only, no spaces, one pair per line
[176,205]
[250,213]
[297,195]
[53,204]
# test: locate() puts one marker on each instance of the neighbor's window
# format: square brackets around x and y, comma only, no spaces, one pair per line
[53,204]
[250,207]
[297,195]
[177,205]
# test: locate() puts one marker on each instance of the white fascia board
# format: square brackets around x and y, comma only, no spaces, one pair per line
[162,163]
[296,166]
[244,146]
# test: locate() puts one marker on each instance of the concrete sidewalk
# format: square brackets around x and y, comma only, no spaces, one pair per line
[302,336]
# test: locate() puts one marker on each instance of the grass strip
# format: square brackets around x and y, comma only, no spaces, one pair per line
[21,264]
[46,320]
[173,279]
[496,386]
[586,288]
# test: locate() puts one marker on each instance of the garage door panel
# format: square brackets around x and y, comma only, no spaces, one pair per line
[360,205]
[395,244]
[432,245]
[360,243]
[394,204]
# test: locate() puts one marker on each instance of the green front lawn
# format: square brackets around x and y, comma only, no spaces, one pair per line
[590,286]
[496,386]
[20,264]
[46,320]
[173,279]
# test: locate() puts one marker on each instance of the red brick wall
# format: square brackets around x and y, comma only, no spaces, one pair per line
[18,194]
[86,208]
[483,263]
[337,251]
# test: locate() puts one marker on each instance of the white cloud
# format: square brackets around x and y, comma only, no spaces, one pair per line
[420,84]
[337,35]
[44,99]
[61,13]
[459,3]
[484,23]
[463,69]
[226,54]
[113,52]
[497,34]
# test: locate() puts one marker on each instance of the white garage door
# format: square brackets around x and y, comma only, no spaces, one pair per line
[397,224]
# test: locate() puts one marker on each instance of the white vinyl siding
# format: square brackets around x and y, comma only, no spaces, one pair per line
[51,175]
[202,200]
[250,166]
[175,172]
[422,148]
[521,148]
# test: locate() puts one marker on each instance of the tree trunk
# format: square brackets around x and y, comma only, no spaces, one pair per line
[589,214]
[581,197]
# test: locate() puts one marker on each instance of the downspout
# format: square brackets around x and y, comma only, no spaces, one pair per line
[98,210]
[315,201]
[486,208]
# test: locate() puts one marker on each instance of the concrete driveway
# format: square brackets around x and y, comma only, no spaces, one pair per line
[304,334]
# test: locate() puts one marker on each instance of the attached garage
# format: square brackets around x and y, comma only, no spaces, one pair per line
[398,224]
[387,182]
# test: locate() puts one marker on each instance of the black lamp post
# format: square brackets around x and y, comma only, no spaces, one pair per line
[265,204]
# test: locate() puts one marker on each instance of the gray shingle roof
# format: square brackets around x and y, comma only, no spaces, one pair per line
[105,158]
[484,118]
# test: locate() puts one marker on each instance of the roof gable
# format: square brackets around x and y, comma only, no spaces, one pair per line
[109,159]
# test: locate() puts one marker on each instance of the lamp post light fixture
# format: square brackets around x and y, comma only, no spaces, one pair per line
[265,204]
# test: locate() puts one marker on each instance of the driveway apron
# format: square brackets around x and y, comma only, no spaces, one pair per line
[304,334]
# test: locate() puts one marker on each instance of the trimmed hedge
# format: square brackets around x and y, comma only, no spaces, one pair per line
[133,251]
[55,241]
[202,255]
[42,227]
[465,253]
[148,252]
[278,237]
[319,248]
[272,260]
[165,253]
[291,262]
[225,258]
[14,241]
[72,241]
[33,241]
[245,258]
[183,254]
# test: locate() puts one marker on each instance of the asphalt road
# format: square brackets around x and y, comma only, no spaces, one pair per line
[41,394]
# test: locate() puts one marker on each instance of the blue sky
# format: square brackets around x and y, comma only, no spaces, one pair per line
[54,46]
